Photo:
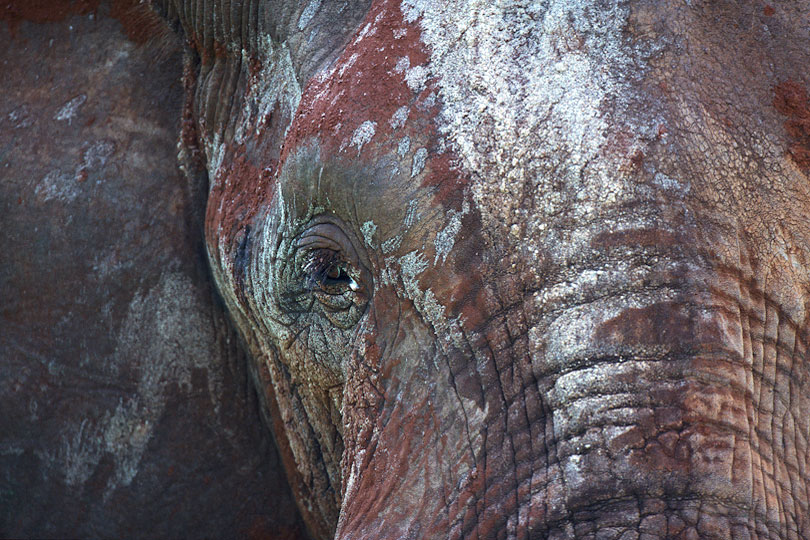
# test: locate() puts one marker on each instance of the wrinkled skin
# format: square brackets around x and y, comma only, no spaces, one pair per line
[517,271]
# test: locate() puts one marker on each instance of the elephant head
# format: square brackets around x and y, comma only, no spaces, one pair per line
[516,269]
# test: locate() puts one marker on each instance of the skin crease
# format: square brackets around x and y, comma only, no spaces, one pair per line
[581,259]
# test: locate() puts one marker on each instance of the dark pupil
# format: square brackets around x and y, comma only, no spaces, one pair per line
[333,272]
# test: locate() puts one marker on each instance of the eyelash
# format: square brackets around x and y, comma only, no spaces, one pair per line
[320,263]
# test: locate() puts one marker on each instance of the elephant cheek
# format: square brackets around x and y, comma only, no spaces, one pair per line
[407,447]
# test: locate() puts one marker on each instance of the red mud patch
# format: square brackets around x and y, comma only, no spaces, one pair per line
[663,323]
[790,99]
[367,85]
[138,21]
[636,237]
[446,175]
[364,85]
[244,191]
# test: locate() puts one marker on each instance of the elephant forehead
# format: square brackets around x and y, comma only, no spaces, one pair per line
[379,101]
[531,106]
[546,78]
[375,87]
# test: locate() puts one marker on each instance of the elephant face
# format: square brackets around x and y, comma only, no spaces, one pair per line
[523,271]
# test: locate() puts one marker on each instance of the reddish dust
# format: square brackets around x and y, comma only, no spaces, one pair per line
[43,11]
[368,83]
[138,21]
[790,99]
[244,193]
[365,84]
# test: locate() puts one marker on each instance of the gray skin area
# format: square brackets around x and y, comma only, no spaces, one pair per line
[127,411]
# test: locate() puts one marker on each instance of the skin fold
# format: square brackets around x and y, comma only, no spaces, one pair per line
[516,269]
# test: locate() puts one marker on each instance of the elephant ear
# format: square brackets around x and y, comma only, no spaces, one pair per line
[122,389]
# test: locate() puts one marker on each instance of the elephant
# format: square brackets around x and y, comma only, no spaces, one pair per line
[516,269]
[127,411]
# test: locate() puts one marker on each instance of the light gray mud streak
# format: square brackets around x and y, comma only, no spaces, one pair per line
[534,76]
[555,83]
[534,96]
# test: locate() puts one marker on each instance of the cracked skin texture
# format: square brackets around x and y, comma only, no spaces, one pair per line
[588,247]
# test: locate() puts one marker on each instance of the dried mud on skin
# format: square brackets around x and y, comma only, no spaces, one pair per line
[790,99]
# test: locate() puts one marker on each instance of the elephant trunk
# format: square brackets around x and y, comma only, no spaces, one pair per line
[640,400]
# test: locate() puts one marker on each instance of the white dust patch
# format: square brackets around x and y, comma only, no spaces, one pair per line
[308,13]
[446,238]
[404,146]
[415,78]
[391,244]
[171,320]
[402,64]
[412,214]
[21,117]
[419,160]
[64,186]
[345,66]
[540,77]
[276,86]
[368,229]
[57,185]
[363,135]
[399,118]
[69,109]
[411,265]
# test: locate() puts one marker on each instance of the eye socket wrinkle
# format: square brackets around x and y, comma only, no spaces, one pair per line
[314,239]
[323,278]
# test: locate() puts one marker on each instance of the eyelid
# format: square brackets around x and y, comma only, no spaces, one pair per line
[330,236]
[317,240]
[325,243]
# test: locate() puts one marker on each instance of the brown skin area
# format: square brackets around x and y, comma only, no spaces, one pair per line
[139,22]
[42,11]
[478,430]
[790,99]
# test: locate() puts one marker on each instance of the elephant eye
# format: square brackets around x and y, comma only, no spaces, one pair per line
[329,278]
[324,270]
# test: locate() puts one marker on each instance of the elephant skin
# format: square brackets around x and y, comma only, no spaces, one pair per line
[517,269]
[127,411]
